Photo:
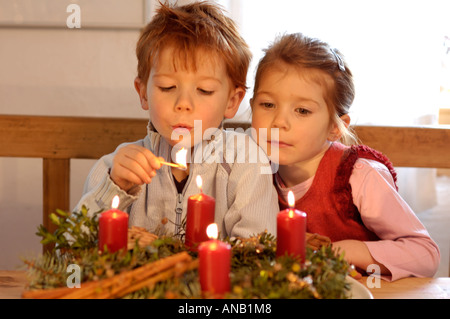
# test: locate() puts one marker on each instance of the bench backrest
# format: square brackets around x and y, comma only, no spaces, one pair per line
[57,140]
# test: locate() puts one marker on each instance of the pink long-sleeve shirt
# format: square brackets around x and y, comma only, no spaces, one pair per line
[405,246]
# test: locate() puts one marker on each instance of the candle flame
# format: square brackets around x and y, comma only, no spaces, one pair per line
[180,157]
[212,231]
[199,182]
[291,199]
[115,202]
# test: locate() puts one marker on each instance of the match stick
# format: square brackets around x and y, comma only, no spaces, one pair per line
[179,166]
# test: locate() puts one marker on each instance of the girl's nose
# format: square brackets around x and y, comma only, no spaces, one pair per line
[281,120]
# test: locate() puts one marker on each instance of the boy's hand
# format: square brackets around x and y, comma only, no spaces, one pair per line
[134,165]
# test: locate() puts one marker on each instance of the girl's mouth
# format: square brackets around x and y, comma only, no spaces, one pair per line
[279,144]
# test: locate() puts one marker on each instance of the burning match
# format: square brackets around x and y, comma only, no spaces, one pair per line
[180,160]
[180,166]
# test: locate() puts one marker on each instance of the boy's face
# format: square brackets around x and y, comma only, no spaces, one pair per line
[178,95]
[294,104]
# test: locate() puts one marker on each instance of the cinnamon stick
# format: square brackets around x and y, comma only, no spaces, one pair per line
[53,293]
[106,286]
[140,236]
[109,287]
[315,241]
[177,270]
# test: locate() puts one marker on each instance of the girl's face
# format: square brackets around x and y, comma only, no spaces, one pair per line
[292,101]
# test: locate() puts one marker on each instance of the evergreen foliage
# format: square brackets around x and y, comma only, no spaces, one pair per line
[256,272]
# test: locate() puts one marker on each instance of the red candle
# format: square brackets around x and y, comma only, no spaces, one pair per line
[291,231]
[214,265]
[200,214]
[113,229]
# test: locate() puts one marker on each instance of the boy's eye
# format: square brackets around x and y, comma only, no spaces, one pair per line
[267,105]
[205,92]
[166,88]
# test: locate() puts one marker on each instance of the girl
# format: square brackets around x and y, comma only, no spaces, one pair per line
[304,89]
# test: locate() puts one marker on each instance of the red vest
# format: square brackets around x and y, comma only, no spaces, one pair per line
[328,203]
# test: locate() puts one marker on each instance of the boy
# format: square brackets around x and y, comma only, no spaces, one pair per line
[192,65]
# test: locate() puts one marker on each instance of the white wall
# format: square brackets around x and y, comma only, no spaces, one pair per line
[49,69]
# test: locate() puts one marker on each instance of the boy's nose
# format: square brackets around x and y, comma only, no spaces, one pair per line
[184,103]
[183,107]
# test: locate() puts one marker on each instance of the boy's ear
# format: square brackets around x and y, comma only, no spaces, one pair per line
[234,102]
[141,89]
[335,132]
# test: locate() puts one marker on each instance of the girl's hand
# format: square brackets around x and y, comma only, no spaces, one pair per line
[354,273]
[134,165]
[357,254]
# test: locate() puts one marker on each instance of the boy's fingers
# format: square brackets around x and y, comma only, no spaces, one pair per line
[134,175]
[132,169]
[144,158]
[134,178]
[152,161]
[124,178]
[141,162]
[158,161]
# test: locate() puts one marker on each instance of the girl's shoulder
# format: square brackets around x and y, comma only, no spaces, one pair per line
[376,159]
[364,168]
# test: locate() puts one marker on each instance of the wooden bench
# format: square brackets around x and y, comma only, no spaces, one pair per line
[57,140]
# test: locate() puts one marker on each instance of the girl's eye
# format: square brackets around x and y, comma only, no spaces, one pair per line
[205,92]
[166,88]
[302,111]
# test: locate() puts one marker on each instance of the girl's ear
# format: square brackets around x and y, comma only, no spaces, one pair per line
[336,128]
[234,102]
[346,120]
[141,89]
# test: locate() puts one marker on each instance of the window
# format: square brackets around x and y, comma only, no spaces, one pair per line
[394,49]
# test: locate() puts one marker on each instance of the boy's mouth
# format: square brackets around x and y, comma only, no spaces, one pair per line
[181,128]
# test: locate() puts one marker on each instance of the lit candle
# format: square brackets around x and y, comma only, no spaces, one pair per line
[113,228]
[214,265]
[291,231]
[200,213]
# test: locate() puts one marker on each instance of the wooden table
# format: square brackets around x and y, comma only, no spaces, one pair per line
[12,284]
[411,288]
